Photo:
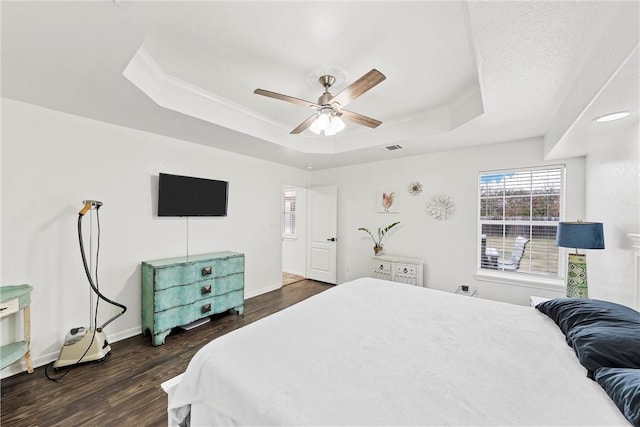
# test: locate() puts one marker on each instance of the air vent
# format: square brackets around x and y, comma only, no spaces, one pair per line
[394,147]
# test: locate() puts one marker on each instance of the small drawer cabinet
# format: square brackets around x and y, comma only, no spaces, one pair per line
[178,291]
[398,269]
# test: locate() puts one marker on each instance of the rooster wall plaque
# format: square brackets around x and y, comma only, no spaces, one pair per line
[387,201]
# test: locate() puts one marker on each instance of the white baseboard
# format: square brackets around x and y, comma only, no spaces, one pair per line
[123,335]
[256,292]
[45,359]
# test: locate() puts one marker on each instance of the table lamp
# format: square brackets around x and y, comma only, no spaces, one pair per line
[579,235]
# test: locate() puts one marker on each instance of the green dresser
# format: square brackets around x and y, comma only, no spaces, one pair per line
[178,291]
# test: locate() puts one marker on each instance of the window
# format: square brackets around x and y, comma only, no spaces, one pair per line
[289,216]
[519,213]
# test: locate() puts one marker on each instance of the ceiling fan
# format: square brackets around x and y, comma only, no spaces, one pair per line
[330,112]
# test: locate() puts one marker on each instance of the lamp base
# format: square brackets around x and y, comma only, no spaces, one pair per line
[577,276]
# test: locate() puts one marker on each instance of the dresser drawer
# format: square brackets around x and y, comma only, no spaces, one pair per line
[181,315]
[382,267]
[218,286]
[405,269]
[220,267]
[164,299]
[175,275]
[226,284]
[9,307]
[217,304]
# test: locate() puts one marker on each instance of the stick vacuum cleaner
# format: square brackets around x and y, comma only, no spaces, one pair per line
[89,344]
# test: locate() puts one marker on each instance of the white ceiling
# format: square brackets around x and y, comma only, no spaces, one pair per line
[458,73]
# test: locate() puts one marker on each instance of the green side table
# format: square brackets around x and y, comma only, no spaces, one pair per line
[12,300]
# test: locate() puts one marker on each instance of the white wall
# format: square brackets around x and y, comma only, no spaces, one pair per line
[613,197]
[294,250]
[447,247]
[51,161]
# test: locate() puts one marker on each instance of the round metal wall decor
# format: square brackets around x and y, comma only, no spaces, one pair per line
[441,207]
[415,188]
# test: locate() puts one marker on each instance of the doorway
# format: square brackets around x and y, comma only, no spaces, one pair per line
[294,233]
[290,278]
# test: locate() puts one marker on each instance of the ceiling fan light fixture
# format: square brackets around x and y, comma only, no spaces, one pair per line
[315,127]
[337,124]
[323,121]
[327,123]
[329,107]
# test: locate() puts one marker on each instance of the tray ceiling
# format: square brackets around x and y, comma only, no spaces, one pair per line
[458,73]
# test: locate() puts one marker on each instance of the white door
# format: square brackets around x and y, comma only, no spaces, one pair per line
[322,213]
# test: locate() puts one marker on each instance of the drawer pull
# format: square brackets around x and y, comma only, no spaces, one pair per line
[207,271]
[206,308]
[206,289]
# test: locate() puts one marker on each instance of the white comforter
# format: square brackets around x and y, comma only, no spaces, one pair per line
[372,352]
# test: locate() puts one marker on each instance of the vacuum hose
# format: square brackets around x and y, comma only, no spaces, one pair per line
[88,204]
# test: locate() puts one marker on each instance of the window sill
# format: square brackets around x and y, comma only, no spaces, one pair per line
[519,279]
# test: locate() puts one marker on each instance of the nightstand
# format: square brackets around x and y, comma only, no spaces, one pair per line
[12,300]
[533,300]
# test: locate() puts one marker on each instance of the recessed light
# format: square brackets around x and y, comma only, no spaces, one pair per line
[612,116]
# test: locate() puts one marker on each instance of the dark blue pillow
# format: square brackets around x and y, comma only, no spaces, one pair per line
[612,345]
[573,312]
[602,333]
[623,387]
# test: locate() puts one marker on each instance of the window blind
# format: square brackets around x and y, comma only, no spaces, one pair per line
[519,212]
[289,215]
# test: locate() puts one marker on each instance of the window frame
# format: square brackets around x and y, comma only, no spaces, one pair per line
[528,278]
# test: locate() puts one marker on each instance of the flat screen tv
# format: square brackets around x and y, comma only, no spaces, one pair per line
[189,196]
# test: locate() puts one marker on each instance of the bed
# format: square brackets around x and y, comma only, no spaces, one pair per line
[373,352]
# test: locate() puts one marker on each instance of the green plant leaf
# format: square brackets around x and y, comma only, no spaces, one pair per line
[381,232]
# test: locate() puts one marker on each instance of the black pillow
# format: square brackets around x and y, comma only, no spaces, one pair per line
[623,387]
[602,333]
[612,345]
[571,312]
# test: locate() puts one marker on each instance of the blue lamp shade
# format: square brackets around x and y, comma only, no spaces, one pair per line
[580,235]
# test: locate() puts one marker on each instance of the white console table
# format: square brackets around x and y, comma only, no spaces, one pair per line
[12,300]
[398,269]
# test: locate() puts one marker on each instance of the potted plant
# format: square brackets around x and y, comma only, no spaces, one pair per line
[377,248]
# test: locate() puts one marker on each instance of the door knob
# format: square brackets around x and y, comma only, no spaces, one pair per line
[332,239]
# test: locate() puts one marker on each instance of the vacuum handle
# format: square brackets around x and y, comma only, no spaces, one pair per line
[85,209]
[88,204]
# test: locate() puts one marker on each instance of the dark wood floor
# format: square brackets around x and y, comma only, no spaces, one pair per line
[124,390]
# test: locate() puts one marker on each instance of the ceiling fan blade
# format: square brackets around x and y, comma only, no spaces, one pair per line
[287,98]
[359,119]
[304,125]
[357,88]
